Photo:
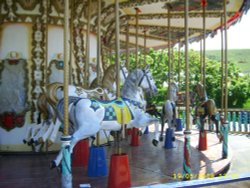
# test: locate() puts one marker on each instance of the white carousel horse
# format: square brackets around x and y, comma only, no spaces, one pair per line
[48,129]
[88,116]
[169,109]
[206,108]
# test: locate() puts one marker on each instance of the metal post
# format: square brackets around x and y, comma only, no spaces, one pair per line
[71,41]
[204,4]
[187,132]
[117,48]
[222,66]
[201,62]
[66,179]
[169,45]
[225,123]
[226,61]
[136,36]
[145,47]
[98,59]
[127,47]
[179,62]
[86,68]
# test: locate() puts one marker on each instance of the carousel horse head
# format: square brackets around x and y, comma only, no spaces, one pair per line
[137,80]
[199,89]
[146,81]
[172,91]
[109,78]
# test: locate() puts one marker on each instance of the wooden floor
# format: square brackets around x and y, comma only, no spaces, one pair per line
[148,165]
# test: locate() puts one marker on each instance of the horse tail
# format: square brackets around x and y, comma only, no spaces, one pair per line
[52,93]
[42,106]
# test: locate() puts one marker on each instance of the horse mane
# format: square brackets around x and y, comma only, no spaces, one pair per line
[132,81]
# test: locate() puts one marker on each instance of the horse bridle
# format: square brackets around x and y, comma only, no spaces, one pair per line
[123,73]
[145,75]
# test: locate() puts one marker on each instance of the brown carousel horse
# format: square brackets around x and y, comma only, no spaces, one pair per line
[206,108]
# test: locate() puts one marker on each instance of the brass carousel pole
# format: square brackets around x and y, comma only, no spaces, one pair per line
[204,4]
[127,47]
[136,36]
[169,45]
[86,68]
[201,62]
[224,127]
[179,62]
[98,54]
[222,65]
[187,132]
[66,179]
[117,58]
[179,73]
[71,41]
[145,47]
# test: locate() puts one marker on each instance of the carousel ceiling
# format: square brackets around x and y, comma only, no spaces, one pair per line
[154,29]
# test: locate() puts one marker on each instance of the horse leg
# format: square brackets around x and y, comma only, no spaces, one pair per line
[34,131]
[216,122]
[45,136]
[163,120]
[54,132]
[27,136]
[39,134]
[156,135]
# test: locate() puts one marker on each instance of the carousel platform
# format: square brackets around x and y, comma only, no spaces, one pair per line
[148,165]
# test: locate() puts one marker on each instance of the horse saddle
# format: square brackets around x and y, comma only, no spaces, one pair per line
[115,110]
[201,110]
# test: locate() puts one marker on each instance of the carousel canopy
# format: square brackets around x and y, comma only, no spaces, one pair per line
[145,19]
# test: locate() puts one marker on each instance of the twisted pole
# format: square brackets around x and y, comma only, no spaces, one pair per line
[66,179]
[187,132]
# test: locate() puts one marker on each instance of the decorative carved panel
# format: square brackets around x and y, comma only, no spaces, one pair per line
[13,95]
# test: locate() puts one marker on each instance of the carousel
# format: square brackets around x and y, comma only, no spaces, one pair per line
[74,114]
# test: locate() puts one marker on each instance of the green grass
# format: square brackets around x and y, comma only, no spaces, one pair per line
[240,56]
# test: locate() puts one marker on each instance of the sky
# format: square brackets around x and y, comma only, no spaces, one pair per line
[238,36]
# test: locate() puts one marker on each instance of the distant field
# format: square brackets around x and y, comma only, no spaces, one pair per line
[239,56]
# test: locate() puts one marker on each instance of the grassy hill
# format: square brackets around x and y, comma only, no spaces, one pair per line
[240,56]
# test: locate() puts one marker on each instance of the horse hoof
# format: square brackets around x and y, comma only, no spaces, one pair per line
[155,142]
[49,142]
[173,139]
[139,133]
[52,164]
[32,141]
[161,138]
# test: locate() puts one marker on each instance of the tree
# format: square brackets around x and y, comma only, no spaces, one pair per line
[238,83]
